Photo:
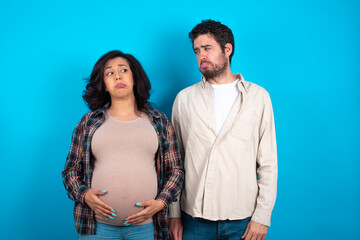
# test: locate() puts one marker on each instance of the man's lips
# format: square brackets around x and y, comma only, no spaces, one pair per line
[120,85]
[204,64]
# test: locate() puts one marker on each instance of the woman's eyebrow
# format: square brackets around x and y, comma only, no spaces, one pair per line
[118,65]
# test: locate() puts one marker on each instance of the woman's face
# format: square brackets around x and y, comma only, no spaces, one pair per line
[118,78]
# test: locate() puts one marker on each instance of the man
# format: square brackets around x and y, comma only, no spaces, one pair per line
[226,131]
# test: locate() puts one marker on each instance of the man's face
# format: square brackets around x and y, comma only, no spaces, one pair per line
[211,59]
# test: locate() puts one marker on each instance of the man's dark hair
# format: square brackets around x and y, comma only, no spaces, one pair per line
[95,94]
[221,33]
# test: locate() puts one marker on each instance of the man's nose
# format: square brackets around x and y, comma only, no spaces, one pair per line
[202,55]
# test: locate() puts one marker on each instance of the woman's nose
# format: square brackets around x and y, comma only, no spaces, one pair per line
[118,76]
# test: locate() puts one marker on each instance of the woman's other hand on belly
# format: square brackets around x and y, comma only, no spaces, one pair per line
[150,208]
[99,207]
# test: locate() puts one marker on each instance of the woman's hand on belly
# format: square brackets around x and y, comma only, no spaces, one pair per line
[150,208]
[99,207]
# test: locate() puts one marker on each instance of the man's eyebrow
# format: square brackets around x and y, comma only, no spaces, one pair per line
[203,46]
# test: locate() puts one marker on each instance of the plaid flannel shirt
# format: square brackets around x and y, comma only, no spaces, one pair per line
[77,173]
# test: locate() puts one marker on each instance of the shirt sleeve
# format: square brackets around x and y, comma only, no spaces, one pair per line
[173,169]
[175,208]
[267,166]
[73,171]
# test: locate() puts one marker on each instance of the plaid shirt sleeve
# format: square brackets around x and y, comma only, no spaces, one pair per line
[171,166]
[170,173]
[73,173]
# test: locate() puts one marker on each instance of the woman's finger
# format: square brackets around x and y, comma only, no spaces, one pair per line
[103,212]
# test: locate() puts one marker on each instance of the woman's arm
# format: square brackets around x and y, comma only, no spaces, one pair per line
[73,176]
[73,173]
[172,165]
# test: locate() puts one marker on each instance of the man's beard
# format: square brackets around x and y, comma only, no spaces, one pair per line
[217,71]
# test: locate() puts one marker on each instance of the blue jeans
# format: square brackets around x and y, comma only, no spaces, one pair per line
[136,232]
[202,229]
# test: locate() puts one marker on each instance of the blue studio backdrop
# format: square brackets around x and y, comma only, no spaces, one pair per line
[305,53]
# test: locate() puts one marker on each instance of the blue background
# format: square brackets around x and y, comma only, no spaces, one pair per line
[305,53]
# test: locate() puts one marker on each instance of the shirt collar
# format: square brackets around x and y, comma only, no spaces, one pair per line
[152,112]
[242,85]
[101,110]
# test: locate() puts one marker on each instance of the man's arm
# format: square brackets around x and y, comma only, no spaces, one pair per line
[267,174]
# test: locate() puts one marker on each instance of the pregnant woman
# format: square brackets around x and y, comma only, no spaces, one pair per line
[123,168]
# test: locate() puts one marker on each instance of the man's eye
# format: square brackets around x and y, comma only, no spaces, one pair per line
[207,49]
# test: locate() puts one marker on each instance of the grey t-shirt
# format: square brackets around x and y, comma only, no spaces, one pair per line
[124,165]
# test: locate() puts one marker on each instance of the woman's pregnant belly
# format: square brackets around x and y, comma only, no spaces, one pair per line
[125,186]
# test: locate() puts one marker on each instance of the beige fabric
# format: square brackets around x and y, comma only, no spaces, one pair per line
[125,165]
[221,171]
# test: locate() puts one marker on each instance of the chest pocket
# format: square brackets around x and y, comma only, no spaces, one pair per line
[245,126]
[243,130]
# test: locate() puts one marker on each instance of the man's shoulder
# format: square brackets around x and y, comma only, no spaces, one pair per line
[189,91]
[255,89]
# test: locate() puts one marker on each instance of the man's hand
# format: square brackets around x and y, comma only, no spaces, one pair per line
[99,207]
[150,208]
[255,231]
[175,228]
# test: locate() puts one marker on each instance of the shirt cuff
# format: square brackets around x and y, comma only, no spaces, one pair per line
[174,209]
[82,197]
[261,216]
[163,197]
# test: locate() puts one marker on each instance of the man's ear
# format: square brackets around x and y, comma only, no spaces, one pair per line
[228,49]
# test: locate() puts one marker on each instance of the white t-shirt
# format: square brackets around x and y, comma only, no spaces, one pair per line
[224,97]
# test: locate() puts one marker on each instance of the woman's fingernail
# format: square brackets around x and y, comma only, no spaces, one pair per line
[112,210]
[138,204]
[103,191]
[127,219]
[106,219]
[111,217]
[126,224]
[114,214]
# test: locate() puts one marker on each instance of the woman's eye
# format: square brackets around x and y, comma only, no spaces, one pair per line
[124,70]
[109,74]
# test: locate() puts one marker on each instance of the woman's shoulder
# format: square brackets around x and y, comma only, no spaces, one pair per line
[90,117]
[153,112]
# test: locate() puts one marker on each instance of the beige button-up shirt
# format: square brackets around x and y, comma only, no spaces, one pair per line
[233,175]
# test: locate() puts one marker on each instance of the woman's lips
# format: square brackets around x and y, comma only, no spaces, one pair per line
[120,85]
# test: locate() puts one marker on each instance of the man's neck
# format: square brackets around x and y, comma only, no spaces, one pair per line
[228,77]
